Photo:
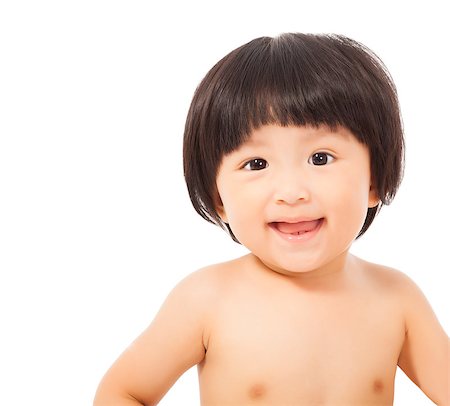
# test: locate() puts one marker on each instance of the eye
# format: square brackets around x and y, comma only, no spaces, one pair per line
[256,164]
[321,158]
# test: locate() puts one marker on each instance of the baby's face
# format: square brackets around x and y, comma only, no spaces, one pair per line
[296,197]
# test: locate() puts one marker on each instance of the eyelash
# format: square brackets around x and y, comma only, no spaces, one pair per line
[260,160]
[324,153]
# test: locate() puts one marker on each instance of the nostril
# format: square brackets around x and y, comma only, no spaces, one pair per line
[291,199]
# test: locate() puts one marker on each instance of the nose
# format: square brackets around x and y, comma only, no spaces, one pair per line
[291,189]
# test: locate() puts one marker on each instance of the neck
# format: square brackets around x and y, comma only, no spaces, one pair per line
[332,275]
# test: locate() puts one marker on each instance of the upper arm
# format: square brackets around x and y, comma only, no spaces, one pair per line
[168,347]
[425,353]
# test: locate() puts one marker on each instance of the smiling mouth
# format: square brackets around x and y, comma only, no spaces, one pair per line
[296,228]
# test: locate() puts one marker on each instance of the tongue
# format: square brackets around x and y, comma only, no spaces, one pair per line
[295,228]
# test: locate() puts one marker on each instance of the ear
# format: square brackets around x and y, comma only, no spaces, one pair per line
[220,210]
[374,200]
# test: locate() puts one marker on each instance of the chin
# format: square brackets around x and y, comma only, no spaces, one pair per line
[292,268]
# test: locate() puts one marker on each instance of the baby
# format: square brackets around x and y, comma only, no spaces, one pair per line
[292,144]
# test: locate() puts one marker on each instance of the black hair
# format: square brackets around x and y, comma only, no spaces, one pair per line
[293,79]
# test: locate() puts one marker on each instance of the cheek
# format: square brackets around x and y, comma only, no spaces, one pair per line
[241,205]
[350,201]
[244,208]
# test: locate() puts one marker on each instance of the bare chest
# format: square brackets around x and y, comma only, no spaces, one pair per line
[306,352]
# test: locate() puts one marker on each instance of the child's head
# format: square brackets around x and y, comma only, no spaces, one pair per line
[293,80]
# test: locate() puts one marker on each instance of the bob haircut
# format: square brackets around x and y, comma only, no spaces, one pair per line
[294,79]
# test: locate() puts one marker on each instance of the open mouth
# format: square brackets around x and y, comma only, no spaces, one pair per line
[300,230]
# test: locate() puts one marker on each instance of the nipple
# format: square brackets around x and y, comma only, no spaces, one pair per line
[257,391]
[378,386]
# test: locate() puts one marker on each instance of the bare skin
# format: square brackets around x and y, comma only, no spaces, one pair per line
[278,341]
[264,338]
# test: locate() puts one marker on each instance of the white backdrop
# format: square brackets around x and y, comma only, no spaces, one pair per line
[96,226]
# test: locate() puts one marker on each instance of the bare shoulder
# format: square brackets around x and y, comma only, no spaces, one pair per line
[205,287]
[395,286]
[387,278]
[211,279]
[407,295]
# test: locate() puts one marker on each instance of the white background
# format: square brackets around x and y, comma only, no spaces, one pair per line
[96,226]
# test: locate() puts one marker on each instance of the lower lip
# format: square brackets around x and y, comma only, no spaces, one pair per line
[300,238]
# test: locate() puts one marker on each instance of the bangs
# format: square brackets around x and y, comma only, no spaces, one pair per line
[282,81]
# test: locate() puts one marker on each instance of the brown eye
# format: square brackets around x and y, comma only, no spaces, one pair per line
[321,158]
[256,164]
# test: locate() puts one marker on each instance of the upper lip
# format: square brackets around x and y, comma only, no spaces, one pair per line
[294,220]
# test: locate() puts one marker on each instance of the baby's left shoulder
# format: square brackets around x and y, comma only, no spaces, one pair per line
[396,285]
[385,277]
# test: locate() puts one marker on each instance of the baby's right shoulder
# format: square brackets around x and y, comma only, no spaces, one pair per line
[211,279]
